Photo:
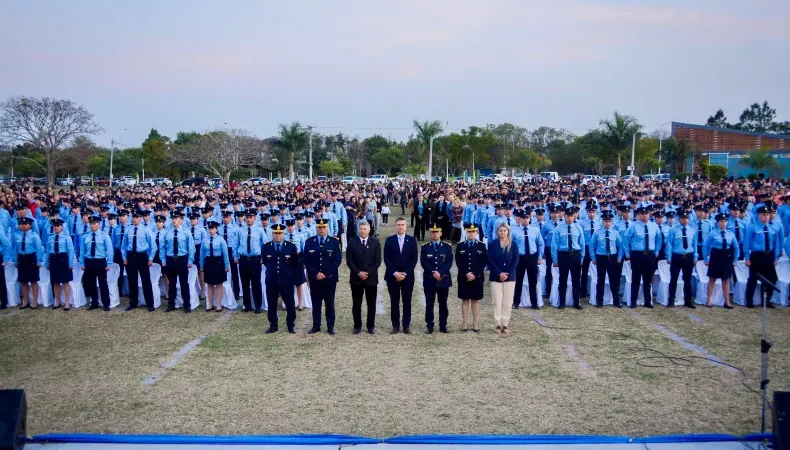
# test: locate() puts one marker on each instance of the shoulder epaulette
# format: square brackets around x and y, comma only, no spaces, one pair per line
[426,243]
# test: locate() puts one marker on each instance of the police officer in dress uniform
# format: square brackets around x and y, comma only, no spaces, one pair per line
[568,250]
[228,231]
[762,245]
[471,258]
[322,256]
[606,250]
[282,261]
[249,245]
[643,242]
[137,250]
[681,252]
[96,258]
[436,259]
[179,251]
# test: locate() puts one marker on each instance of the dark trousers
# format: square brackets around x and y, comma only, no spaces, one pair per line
[585,273]
[400,291]
[419,228]
[323,291]
[137,264]
[369,291]
[549,261]
[433,293]
[234,274]
[177,271]
[117,258]
[3,287]
[250,272]
[762,263]
[275,291]
[569,263]
[96,271]
[642,272]
[520,270]
[532,279]
[608,265]
[681,263]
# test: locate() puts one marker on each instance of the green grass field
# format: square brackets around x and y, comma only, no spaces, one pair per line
[85,371]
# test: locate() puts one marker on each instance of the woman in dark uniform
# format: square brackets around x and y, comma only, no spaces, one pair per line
[720,251]
[471,258]
[214,265]
[60,262]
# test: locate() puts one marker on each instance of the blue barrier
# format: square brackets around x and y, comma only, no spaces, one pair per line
[293,439]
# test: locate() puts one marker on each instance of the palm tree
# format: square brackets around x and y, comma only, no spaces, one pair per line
[425,132]
[619,131]
[761,159]
[293,139]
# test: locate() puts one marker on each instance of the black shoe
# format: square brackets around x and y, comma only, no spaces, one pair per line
[727,307]
[3,307]
[618,305]
[187,310]
[257,310]
[670,304]
[331,331]
[55,306]
[356,331]
[90,308]
[151,309]
[209,309]
[314,330]
[291,330]
[649,305]
[170,308]
[28,306]
[633,306]
[515,306]
[599,304]
[561,307]
[770,305]
[395,330]
[271,330]
[429,331]
[371,331]
[578,306]
[690,306]
[106,308]
[750,306]
[444,330]
[407,330]
[130,307]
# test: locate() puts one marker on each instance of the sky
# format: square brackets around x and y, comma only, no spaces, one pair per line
[374,66]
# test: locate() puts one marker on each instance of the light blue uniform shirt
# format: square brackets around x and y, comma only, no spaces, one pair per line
[598,245]
[158,238]
[118,234]
[256,241]
[64,246]
[32,245]
[103,247]
[714,240]
[230,230]
[186,245]
[590,227]
[534,241]
[197,232]
[547,230]
[6,248]
[755,240]
[145,242]
[561,242]
[675,242]
[217,246]
[295,238]
[635,240]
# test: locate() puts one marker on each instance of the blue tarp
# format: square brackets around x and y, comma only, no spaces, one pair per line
[340,439]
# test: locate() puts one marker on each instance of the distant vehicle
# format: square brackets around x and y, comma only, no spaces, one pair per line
[128,180]
[630,177]
[66,181]
[101,181]
[85,180]
[280,181]
[404,177]
[2,180]
[163,181]
[523,177]
[12,180]
[663,177]
[320,179]
[148,182]
[485,178]
[255,181]
[196,181]
[436,179]
[551,176]
[377,179]
[589,178]
[501,178]
[349,179]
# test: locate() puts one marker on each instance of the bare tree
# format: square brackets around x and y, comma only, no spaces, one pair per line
[47,124]
[220,152]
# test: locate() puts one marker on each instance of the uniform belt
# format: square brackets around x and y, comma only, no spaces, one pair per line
[599,255]
[250,258]
[683,255]
[177,257]
[95,259]
[136,253]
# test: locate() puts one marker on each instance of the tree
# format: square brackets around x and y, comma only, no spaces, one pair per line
[715,172]
[760,160]
[619,131]
[154,148]
[718,120]
[425,132]
[375,143]
[331,168]
[524,159]
[293,139]
[758,118]
[388,159]
[221,151]
[677,152]
[47,124]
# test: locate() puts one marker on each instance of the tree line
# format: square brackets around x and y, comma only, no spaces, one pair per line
[50,137]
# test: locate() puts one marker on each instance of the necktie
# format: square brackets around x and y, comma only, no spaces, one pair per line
[123,230]
[93,246]
[205,223]
[57,244]
[526,241]
[74,225]
[134,241]
[699,234]
[211,246]
[737,231]
[321,242]
[469,244]
[157,243]
[278,249]
[400,244]
[364,243]
[249,242]
[647,239]
[175,243]
[193,232]
[608,244]
[434,246]
[508,221]
[102,226]
[767,239]
[570,247]
[225,233]
[685,239]
[24,236]
[723,241]
[592,228]
[626,224]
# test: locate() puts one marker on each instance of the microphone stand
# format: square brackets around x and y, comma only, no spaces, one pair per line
[765,346]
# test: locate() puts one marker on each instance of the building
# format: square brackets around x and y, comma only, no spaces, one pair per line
[728,147]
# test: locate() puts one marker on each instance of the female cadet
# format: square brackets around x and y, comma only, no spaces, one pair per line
[29,255]
[214,265]
[721,251]
[471,258]
[60,262]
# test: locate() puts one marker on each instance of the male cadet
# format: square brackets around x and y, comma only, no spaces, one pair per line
[118,235]
[249,243]
[95,259]
[137,250]
[736,224]
[681,252]
[436,259]
[642,244]
[338,209]
[589,225]
[179,253]
[702,227]
[568,248]
[282,262]
[547,231]
[228,230]
[606,248]
[400,259]
[763,245]
[322,257]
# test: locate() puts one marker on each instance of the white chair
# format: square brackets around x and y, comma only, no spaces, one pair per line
[702,287]
[263,288]
[194,300]
[12,285]
[156,273]
[783,282]
[45,297]
[307,301]
[228,299]
[541,288]
[77,290]
[742,276]
[607,291]
[663,285]
[554,297]
[112,285]
[640,300]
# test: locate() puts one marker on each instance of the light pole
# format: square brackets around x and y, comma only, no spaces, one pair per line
[633,151]
[112,150]
[660,141]
[429,173]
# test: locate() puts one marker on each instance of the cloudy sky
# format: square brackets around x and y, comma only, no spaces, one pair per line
[369,66]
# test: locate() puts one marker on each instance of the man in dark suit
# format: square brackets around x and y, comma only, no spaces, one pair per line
[322,257]
[400,259]
[363,257]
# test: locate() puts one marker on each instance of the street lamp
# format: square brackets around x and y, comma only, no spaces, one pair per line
[660,141]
